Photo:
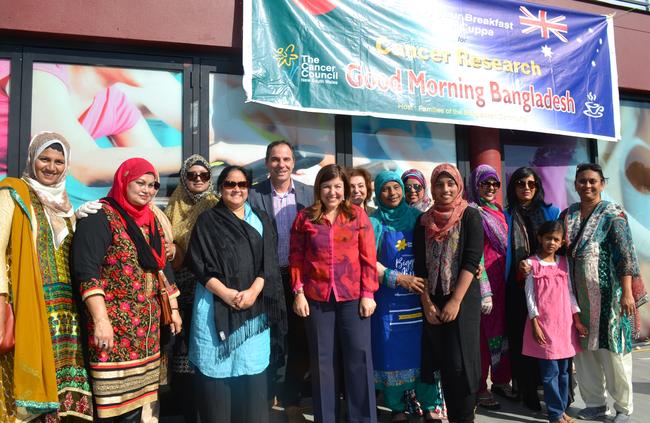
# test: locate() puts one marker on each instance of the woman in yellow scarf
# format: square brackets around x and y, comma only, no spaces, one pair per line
[194,195]
[44,377]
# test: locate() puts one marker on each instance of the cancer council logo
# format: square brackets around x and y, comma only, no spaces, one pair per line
[286,55]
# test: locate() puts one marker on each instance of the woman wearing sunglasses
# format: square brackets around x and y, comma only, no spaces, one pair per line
[232,253]
[525,213]
[415,190]
[194,195]
[482,193]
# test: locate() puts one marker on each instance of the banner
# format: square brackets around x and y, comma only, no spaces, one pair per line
[502,64]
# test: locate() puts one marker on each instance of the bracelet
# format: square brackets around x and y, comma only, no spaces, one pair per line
[298,291]
[390,278]
[174,308]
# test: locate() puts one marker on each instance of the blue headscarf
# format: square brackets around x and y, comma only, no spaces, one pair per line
[400,218]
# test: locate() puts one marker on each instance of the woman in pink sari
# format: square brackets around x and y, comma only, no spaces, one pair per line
[482,190]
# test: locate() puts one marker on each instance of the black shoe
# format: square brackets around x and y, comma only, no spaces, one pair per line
[394,414]
[506,392]
[532,404]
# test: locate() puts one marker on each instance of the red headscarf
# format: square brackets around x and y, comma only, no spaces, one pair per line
[440,219]
[129,171]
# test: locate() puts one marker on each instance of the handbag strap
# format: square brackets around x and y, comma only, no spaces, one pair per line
[163,283]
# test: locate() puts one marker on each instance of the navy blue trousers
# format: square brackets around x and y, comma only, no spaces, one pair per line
[555,378]
[337,326]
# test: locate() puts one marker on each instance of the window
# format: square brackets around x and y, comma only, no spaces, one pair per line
[109,114]
[626,164]
[240,132]
[633,4]
[5,66]
[399,145]
[554,157]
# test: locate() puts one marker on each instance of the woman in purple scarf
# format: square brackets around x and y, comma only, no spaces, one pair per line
[482,193]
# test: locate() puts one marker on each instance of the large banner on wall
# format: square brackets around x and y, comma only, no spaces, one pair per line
[503,64]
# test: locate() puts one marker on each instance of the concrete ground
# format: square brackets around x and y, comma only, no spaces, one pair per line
[515,412]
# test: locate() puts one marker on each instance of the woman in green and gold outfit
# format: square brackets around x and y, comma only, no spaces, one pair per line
[44,378]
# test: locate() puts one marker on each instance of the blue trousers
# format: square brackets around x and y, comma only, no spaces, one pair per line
[555,378]
[334,326]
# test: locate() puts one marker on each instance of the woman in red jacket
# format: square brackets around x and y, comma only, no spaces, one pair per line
[334,277]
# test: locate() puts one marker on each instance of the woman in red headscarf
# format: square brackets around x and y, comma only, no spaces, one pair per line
[447,253]
[120,264]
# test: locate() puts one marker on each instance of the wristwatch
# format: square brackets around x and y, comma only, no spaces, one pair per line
[298,291]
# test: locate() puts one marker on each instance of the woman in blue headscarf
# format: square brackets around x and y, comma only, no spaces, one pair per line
[397,322]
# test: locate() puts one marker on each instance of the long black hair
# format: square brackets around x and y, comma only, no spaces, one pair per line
[511,192]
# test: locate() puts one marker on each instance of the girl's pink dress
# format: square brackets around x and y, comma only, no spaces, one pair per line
[555,313]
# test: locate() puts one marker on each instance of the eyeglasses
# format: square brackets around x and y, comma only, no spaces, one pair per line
[156,185]
[490,184]
[413,187]
[233,184]
[523,184]
[196,176]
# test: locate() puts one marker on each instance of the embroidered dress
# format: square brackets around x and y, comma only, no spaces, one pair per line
[601,252]
[397,331]
[126,377]
[72,389]
[71,376]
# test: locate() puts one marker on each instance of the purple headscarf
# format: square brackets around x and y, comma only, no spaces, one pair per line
[425,203]
[494,222]
[479,174]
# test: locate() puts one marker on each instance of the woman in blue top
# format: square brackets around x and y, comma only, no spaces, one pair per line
[232,253]
[525,213]
[397,322]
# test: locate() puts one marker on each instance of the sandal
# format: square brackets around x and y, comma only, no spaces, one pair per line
[487,401]
[568,419]
[504,391]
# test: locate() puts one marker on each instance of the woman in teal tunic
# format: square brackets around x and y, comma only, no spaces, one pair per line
[397,322]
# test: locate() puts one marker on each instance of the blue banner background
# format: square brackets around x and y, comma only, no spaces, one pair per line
[361,57]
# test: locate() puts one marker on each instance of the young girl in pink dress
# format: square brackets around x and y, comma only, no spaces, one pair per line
[551,332]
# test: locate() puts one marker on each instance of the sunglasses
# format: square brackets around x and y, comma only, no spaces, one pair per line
[413,187]
[196,176]
[490,184]
[529,184]
[233,184]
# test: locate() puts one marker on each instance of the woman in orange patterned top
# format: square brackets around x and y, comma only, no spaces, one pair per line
[120,264]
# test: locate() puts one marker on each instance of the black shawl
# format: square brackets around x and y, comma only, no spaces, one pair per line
[225,247]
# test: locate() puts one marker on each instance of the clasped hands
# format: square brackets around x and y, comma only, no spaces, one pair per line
[240,300]
[449,312]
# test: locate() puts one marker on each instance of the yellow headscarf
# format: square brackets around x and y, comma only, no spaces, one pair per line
[185,207]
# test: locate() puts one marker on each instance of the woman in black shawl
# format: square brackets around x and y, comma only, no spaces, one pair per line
[232,252]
